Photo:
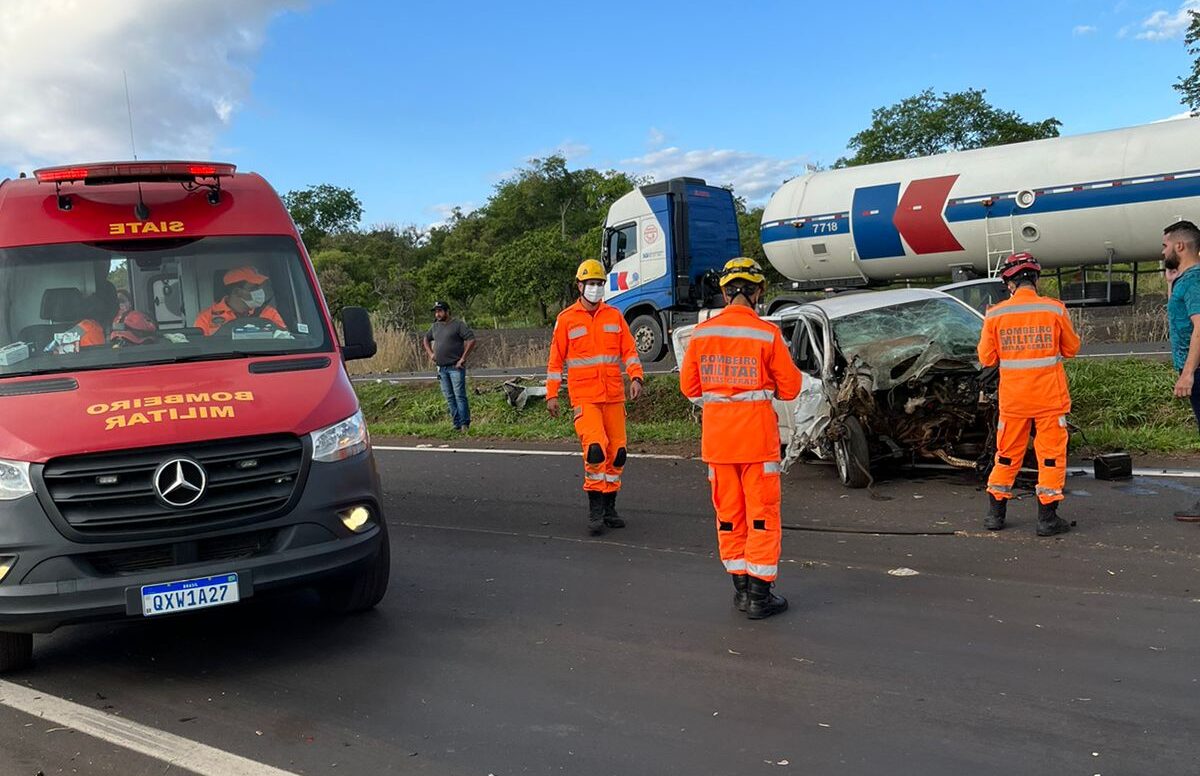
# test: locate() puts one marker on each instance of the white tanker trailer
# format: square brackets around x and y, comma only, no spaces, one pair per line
[1089,199]
[1070,201]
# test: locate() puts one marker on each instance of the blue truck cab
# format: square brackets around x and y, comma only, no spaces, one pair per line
[664,244]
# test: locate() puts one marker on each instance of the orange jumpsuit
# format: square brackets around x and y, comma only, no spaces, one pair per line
[212,319]
[593,347]
[1029,336]
[736,363]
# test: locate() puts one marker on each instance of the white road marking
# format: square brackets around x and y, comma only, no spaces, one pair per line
[167,747]
[490,451]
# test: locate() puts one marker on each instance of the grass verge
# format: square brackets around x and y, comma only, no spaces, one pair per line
[1120,404]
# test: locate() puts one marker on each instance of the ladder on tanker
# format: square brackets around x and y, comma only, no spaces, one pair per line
[1000,244]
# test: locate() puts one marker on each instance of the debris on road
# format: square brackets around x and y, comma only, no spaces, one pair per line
[904,572]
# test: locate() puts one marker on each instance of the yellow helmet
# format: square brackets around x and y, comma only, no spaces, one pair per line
[742,268]
[590,269]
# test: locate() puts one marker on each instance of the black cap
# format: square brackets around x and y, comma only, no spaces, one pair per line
[440,305]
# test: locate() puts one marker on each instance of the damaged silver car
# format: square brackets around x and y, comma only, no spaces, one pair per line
[889,376]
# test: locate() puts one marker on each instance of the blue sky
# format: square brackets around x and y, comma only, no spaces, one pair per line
[422,106]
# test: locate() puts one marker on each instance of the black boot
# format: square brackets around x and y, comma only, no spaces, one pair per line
[595,512]
[763,603]
[611,518]
[741,599]
[1049,523]
[997,510]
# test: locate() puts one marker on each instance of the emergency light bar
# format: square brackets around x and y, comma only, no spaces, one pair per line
[129,172]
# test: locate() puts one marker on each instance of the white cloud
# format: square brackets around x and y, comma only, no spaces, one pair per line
[1165,25]
[655,138]
[753,176]
[62,90]
[1084,29]
[443,212]
[1176,117]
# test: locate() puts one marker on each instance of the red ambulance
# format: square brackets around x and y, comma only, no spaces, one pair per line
[177,427]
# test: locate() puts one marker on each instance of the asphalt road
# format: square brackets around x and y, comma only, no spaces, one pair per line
[510,643]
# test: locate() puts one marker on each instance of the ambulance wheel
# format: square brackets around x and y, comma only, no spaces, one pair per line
[16,651]
[648,336]
[366,589]
[852,455]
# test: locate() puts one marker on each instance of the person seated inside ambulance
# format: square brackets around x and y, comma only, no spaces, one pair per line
[245,299]
[88,332]
[133,328]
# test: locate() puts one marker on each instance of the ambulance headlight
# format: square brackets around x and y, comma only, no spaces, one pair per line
[341,440]
[14,480]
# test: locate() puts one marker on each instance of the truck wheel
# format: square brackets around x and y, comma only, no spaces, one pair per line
[852,455]
[16,651]
[359,593]
[648,335]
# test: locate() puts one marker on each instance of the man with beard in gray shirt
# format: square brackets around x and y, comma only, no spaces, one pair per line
[448,343]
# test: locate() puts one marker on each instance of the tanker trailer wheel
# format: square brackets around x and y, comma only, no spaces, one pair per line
[16,651]
[648,336]
[853,455]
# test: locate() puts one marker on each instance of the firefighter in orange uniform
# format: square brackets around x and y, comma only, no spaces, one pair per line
[247,299]
[736,364]
[592,342]
[1029,336]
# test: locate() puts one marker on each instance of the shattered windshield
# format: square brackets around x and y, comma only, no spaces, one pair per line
[904,329]
[112,304]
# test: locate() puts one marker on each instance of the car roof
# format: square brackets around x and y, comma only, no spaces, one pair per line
[974,282]
[841,306]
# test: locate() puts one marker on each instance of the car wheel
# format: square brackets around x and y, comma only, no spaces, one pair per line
[16,651]
[364,590]
[648,336]
[852,455]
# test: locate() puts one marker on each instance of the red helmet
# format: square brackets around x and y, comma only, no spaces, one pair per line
[1018,263]
[135,327]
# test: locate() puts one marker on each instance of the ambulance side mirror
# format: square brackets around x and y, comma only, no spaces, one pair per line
[357,334]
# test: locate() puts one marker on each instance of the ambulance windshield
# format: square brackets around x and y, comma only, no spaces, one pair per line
[116,304]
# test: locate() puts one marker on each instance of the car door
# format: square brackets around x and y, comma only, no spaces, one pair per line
[810,412]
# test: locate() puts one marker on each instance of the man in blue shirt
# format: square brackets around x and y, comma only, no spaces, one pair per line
[1181,252]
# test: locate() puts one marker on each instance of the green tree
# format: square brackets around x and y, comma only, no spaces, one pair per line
[535,270]
[1189,86]
[458,278]
[926,124]
[323,210]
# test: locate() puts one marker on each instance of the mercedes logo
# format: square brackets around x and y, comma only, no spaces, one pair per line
[180,482]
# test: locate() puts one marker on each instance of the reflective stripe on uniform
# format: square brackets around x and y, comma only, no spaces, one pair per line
[734,332]
[1032,307]
[1048,491]
[741,396]
[631,360]
[612,328]
[594,476]
[577,332]
[735,565]
[593,361]
[762,571]
[1000,488]
[554,375]
[1062,420]
[613,477]
[1029,363]
[772,467]
[712,473]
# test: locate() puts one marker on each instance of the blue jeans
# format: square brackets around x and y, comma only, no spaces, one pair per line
[1196,396]
[454,388]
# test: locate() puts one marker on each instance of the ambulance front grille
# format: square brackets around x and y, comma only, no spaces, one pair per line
[113,494]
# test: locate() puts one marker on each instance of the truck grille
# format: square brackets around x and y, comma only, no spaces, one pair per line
[113,494]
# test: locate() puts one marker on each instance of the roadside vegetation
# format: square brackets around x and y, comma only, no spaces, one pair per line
[1119,404]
